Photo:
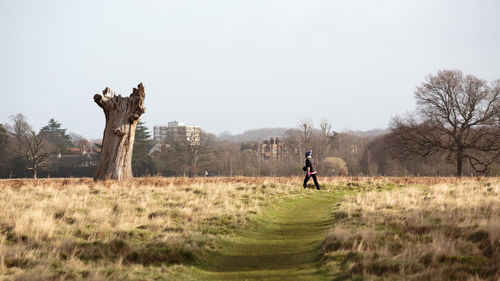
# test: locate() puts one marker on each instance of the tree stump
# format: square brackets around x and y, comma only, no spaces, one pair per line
[122,115]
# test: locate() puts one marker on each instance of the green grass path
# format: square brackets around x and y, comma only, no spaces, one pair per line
[284,243]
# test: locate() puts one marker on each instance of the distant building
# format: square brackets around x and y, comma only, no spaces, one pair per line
[271,149]
[249,147]
[174,131]
[78,157]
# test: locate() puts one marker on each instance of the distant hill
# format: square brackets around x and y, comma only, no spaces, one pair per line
[368,134]
[266,133]
[254,135]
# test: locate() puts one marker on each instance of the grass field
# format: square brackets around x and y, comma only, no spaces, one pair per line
[445,231]
[250,229]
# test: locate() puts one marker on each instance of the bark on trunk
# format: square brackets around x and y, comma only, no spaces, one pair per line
[122,115]
[460,161]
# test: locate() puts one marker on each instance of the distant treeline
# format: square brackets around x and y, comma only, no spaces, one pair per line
[454,131]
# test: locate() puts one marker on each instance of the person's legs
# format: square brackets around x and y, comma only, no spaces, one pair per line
[315,181]
[306,179]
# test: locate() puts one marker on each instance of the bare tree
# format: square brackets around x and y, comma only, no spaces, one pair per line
[79,141]
[228,158]
[191,152]
[349,147]
[457,115]
[122,115]
[305,128]
[292,141]
[326,134]
[19,129]
[37,151]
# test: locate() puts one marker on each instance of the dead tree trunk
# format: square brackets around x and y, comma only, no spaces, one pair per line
[122,115]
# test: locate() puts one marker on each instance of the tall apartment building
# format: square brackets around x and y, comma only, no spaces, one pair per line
[176,131]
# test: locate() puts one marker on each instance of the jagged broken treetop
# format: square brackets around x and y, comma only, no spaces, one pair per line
[109,101]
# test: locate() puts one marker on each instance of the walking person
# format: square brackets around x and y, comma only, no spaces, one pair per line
[310,169]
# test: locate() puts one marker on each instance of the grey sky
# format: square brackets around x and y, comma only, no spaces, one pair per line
[237,65]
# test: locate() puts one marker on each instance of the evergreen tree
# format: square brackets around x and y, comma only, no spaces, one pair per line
[4,139]
[56,135]
[142,162]
[4,135]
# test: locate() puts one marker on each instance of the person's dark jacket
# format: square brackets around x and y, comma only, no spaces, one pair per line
[311,165]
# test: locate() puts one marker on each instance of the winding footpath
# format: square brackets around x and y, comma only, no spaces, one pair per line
[282,244]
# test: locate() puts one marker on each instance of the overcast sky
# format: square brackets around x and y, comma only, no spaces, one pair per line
[237,65]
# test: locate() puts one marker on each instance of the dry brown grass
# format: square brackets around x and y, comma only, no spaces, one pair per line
[59,229]
[443,231]
[151,228]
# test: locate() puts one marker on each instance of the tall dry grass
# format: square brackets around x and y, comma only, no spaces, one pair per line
[441,231]
[60,229]
[145,229]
